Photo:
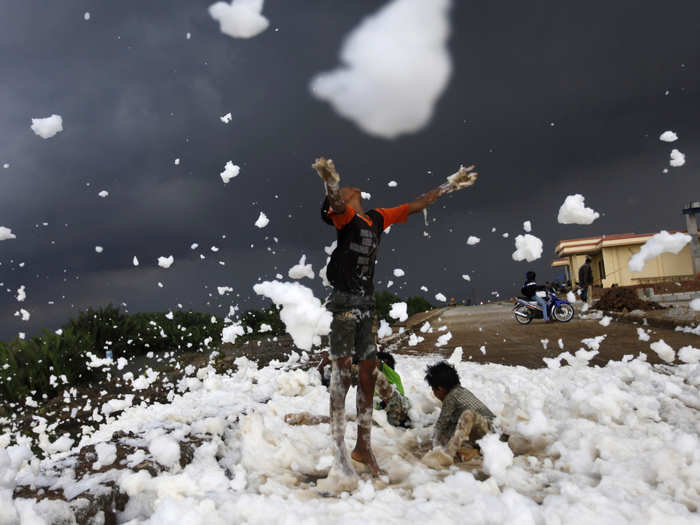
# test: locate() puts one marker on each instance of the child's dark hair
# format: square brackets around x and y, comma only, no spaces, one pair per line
[442,374]
[324,211]
[387,359]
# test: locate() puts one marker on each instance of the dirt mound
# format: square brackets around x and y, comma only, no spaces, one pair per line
[624,300]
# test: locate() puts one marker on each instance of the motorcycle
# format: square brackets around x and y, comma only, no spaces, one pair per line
[559,309]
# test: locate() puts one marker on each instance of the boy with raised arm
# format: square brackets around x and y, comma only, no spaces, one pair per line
[354,327]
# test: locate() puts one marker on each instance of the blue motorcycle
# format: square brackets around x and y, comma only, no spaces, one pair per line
[525,310]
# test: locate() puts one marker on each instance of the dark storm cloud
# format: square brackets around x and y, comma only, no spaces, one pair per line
[135,94]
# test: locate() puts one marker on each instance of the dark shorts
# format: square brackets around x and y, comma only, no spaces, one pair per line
[354,327]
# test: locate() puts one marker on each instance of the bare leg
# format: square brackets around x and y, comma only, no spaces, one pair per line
[365,390]
[396,405]
[340,383]
[461,434]
[441,457]
[384,389]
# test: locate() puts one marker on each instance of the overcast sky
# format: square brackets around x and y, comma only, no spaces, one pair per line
[547,99]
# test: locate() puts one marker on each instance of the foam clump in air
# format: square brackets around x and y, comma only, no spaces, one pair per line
[303,315]
[166,262]
[395,66]
[440,297]
[47,127]
[574,211]
[399,311]
[668,136]
[301,270]
[527,226]
[398,272]
[241,18]
[6,233]
[472,240]
[262,220]
[527,248]
[230,171]
[103,194]
[662,242]
[677,159]
[384,329]
[230,333]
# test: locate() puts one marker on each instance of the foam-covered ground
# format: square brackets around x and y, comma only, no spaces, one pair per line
[613,445]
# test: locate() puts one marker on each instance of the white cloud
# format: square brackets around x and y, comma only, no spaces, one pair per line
[395,66]
[240,19]
[574,211]
[47,127]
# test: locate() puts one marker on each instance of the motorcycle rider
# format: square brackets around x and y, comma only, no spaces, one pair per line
[529,291]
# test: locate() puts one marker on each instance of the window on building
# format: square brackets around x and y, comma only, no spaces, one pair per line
[601,268]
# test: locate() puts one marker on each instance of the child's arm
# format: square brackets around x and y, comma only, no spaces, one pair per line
[326,170]
[424,201]
[463,178]
[441,434]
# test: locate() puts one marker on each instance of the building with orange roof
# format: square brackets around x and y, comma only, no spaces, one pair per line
[610,255]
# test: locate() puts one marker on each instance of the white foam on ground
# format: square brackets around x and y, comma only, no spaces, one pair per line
[589,444]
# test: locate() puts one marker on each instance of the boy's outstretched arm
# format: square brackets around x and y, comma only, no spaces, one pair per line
[326,170]
[424,201]
[463,178]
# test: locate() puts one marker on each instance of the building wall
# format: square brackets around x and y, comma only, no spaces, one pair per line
[616,260]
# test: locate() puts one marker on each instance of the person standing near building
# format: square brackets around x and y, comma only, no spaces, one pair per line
[354,326]
[585,281]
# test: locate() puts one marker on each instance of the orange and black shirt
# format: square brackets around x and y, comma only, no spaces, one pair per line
[351,268]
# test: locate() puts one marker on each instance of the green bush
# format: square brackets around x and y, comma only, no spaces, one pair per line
[27,365]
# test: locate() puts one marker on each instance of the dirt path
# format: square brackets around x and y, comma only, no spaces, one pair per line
[509,343]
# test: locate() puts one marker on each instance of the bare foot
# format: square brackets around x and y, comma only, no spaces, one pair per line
[467,454]
[366,457]
[437,459]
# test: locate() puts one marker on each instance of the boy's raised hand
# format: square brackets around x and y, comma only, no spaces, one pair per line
[463,178]
[326,170]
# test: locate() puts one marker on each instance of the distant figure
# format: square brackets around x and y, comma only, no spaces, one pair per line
[463,420]
[585,281]
[529,291]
